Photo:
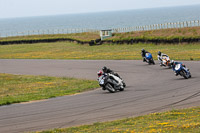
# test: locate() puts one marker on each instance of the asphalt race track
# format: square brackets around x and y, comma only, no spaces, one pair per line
[150,88]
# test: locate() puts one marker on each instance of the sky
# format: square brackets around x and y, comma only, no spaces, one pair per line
[27,8]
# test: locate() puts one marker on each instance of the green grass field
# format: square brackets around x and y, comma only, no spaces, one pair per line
[20,88]
[175,121]
[66,50]
[23,88]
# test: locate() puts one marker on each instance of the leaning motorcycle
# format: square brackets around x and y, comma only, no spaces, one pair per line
[107,82]
[149,58]
[182,71]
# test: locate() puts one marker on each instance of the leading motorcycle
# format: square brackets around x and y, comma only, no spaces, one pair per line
[149,58]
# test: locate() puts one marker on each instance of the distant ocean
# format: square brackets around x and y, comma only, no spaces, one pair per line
[102,20]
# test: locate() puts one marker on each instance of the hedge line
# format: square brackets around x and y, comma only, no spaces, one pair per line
[154,41]
[99,42]
[31,41]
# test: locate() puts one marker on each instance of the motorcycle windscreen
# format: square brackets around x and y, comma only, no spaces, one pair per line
[178,67]
[101,80]
[148,56]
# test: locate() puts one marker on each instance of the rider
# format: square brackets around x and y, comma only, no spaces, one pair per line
[173,64]
[160,57]
[107,70]
[117,78]
[143,53]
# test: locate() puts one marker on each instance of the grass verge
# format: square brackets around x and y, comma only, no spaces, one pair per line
[175,121]
[66,50]
[23,88]
[168,36]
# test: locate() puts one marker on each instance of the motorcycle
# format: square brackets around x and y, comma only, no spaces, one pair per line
[182,71]
[149,58]
[107,82]
[166,61]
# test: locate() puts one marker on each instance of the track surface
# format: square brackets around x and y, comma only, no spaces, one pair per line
[150,88]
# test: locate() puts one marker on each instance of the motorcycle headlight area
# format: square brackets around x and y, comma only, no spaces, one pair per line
[178,66]
[101,81]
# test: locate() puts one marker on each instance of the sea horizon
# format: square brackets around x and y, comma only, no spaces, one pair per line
[101,20]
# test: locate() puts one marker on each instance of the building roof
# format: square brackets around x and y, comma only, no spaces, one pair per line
[107,30]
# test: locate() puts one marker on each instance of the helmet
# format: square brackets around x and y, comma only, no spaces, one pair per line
[104,69]
[159,53]
[142,50]
[172,62]
[99,73]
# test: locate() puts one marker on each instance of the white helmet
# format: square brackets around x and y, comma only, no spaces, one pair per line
[172,62]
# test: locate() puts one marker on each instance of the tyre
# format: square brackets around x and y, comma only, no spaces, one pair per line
[185,75]
[153,62]
[110,88]
[124,84]
[121,89]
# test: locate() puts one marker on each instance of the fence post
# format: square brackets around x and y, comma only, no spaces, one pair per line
[172,25]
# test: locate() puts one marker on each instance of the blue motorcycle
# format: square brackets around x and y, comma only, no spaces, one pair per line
[149,58]
[181,70]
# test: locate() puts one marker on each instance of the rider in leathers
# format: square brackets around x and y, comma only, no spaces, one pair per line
[143,53]
[160,57]
[116,75]
[173,64]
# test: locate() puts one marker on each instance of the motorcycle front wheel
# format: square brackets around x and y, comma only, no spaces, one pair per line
[184,74]
[124,84]
[110,88]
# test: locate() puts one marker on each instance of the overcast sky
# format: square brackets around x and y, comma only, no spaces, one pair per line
[24,8]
